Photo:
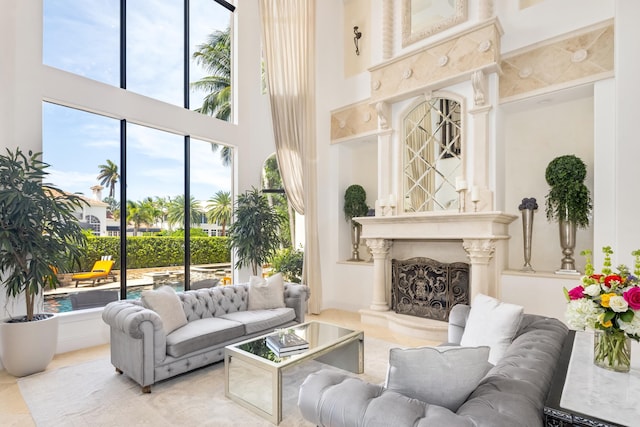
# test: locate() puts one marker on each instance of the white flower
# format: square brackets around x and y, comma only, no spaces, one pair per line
[592,290]
[582,313]
[618,304]
[633,327]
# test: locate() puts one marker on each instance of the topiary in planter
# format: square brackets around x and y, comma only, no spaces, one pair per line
[355,202]
[568,198]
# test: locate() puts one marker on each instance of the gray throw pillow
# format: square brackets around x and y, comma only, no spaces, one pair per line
[266,293]
[166,303]
[443,376]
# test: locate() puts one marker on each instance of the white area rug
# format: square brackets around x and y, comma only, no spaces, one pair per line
[92,394]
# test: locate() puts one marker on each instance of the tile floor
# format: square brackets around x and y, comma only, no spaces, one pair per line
[14,411]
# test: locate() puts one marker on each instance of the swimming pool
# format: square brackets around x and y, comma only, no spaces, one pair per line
[61,303]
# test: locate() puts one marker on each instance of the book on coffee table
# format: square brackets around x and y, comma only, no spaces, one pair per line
[286,343]
[285,353]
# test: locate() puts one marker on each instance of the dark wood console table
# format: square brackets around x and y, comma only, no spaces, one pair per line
[557,416]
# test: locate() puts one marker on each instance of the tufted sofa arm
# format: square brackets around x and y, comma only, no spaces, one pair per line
[296,297]
[131,319]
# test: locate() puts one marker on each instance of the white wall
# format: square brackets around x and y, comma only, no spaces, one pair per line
[533,138]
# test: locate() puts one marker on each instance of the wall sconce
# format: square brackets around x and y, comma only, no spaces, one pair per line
[356,37]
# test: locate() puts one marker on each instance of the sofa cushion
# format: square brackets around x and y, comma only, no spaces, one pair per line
[443,376]
[266,293]
[166,303]
[492,323]
[261,320]
[203,333]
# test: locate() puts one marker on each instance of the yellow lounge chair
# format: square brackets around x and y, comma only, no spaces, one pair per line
[101,271]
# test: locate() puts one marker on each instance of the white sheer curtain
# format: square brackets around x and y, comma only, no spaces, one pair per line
[288,36]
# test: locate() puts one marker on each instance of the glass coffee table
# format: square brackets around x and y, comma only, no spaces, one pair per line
[253,373]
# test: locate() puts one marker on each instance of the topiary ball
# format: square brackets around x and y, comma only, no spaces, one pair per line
[565,169]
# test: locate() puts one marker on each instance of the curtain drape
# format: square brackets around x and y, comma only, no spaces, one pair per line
[288,37]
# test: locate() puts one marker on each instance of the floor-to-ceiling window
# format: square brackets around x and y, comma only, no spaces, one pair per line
[151,183]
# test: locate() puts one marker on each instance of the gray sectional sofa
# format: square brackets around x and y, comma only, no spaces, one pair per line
[511,393]
[216,317]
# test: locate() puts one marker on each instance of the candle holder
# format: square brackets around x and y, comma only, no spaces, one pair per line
[461,200]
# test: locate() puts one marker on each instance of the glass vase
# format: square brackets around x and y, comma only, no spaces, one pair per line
[612,350]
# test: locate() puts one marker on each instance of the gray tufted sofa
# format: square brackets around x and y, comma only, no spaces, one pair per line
[511,394]
[216,318]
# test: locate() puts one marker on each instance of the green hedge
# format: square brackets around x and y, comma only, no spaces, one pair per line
[145,252]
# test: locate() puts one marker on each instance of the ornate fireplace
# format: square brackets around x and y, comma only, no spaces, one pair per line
[428,288]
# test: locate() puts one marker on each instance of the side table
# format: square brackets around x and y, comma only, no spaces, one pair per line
[594,397]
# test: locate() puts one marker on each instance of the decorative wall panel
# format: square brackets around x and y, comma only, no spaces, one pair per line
[353,121]
[450,60]
[575,59]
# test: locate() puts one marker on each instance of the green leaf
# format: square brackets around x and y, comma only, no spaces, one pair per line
[627,316]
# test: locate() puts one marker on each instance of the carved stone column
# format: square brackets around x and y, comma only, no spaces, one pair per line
[480,253]
[380,251]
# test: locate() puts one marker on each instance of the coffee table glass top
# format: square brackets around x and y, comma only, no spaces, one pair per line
[317,334]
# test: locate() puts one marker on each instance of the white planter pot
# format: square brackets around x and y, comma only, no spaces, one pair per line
[28,347]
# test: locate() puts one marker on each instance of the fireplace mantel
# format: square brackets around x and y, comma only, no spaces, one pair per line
[483,236]
[438,226]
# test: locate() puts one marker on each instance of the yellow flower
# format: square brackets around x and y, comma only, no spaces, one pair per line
[605,299]
[606,324]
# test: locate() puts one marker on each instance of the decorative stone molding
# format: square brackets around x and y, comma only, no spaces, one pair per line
[579,55]
[484,46]
[570,60]
[352,121]
[480,250]
[407,73]
[387,29]
[479,83]
[460,54]
[485,9]
[384,114]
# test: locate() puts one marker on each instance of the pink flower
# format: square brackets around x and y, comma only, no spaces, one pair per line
[632,297]
[577,293]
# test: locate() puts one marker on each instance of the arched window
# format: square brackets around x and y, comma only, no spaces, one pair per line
[94,222]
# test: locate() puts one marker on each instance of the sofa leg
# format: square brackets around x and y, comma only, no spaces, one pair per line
[146,389]
[118,371]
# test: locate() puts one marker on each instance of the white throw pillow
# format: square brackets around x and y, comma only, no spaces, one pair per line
[167,304]
[443,376]
[493,323]
[266,293]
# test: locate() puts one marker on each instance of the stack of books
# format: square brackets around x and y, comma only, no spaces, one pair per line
[286,344]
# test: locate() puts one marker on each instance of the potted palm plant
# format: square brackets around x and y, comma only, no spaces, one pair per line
[355,204]
[39,237]
[254,233]
[568,202]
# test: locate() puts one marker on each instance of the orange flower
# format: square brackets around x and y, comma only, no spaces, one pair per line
[605,299]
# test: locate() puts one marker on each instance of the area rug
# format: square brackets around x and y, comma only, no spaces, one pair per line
[93,394]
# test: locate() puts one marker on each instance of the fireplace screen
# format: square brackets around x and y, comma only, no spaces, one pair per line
[428,288]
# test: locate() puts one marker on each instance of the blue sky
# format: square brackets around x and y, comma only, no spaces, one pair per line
[82,36]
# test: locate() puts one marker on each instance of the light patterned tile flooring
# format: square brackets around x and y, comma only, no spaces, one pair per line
[15,413]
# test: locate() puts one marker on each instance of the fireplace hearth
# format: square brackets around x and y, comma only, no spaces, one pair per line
[428,288]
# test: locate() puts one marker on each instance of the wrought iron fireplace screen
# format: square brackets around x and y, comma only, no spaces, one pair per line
[428,288]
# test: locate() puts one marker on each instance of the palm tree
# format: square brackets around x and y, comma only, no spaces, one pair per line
[219,209]
[137,215]
[176,211]
[215,57]
[109,176]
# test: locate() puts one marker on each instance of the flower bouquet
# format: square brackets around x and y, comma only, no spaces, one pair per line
[608,303]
